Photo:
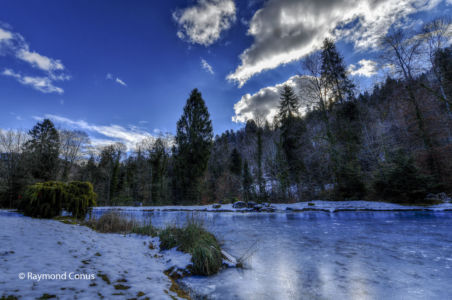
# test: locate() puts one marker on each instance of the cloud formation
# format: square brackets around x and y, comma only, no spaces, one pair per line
[265,102]
[203,22]
[287,30]
[110,134]
[42,84]
[14,45]
[367,68]
[118,80]
[205,65]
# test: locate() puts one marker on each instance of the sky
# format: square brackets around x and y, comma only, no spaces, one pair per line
[123,70]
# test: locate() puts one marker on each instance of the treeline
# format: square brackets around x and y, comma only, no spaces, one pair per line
[393,143]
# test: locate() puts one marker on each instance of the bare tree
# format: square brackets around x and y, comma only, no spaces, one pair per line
[73,148]
[436,36]
[403,52]
[11,148]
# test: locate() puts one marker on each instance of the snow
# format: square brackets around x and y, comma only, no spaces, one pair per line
[38,246]
[317,205]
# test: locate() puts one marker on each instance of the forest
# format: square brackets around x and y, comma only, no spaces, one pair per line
[331,142]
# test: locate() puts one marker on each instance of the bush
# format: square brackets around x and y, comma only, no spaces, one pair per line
[48,199]
[399,180]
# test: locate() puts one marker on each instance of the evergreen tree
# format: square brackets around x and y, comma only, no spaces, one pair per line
[334,75]
[288,105]
[194,141]
[292,127]
[159,160]
[43,148]
[235,165]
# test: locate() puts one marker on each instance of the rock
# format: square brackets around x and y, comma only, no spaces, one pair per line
[251,204]
[440,197]
[258,207]
[268,209]
[239,204]
[266,204]
[289,208]
[216,205]
[443,197]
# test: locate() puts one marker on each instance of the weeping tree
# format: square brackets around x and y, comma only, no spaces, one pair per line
[192,149]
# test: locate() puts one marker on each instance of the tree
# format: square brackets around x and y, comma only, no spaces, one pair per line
[247,183]
[235,165]
[73,144]
[291,127]
[159,161]
[193,145]
[12,167]
[404,54]
[333,74]
[43,148]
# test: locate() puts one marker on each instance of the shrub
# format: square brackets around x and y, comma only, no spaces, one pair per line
[48,199]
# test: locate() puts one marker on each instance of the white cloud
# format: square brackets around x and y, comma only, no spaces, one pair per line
[287,30]
[110,134]
[14,44]
[367,68]
[42,84]
[40,61]
[5,35]
[205,65]
[120,82]
[203,22]
[266,101]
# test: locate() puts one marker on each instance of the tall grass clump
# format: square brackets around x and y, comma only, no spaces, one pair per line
[112,222]
[193,238]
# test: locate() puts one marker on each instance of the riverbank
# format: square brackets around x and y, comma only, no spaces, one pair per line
[68,261]
[317,205]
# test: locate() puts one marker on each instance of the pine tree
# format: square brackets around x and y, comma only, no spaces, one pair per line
[334,75]
[288,105]
[194,141]
[44,148]
[292,127]
[159,159]
[235,165]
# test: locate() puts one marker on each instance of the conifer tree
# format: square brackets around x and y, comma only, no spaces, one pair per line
[44,148]
[193,145]
[235,162]
[159,159]
[334,75]
[291,126]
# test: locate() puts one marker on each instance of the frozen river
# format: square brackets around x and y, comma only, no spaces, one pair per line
[319,255]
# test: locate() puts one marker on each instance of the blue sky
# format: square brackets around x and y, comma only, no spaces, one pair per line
[121,70]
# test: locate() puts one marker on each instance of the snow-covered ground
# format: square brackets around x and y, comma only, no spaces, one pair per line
[32,247]
[319,205]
